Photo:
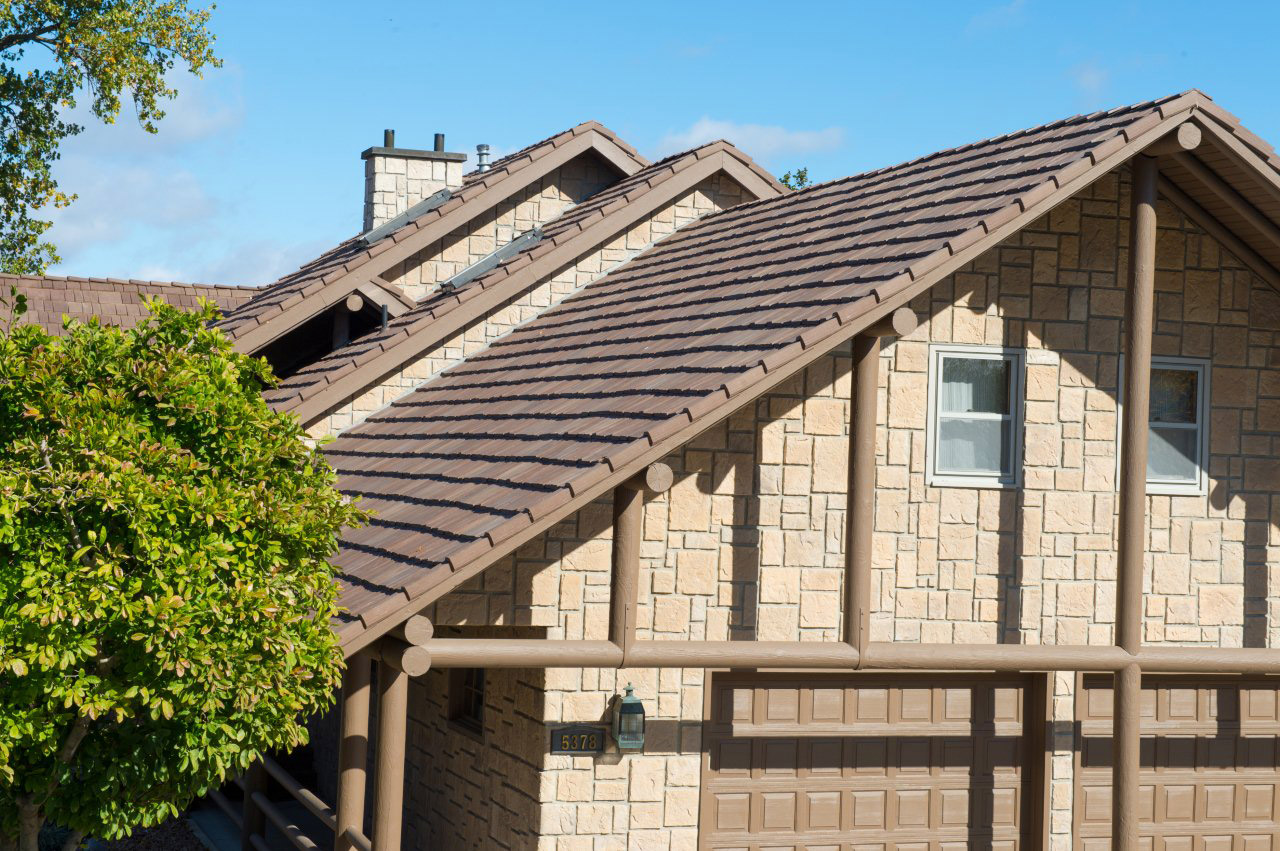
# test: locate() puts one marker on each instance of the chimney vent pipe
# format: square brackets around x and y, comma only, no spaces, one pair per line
[482,157]
[388,138]
[439,141]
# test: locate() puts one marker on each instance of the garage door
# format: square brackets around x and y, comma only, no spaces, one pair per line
[837,763]
[1209,764]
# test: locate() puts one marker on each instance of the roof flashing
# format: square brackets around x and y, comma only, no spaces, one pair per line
[390,226]
[491,261]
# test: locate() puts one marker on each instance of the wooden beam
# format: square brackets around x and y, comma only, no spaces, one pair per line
[1216,229]
[393,712]
[839,656]
[1254,217]
[628,529]
[1185,138]
[860,510]
[253,822]
[411,659]
[353,749]
[418,629]
[899,323]
[1139,316]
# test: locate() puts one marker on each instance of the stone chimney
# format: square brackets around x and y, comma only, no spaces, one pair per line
[397,178]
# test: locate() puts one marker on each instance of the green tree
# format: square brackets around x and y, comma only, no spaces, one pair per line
[52,52]
[798,179]
[165,592]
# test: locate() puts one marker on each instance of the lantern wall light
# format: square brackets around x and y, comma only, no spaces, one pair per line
[628,721]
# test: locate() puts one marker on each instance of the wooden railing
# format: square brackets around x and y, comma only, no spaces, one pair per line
[252,816]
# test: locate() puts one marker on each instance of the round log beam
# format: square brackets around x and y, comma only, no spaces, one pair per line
[418,630]
[900,323]
[410,659]
[355,302]
[656,478]
[1185,137]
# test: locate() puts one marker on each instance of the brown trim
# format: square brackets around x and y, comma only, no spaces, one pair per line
[628,529]
[353,749]
[1240,205]
[393,711]
[432,330]
[400,246]
[1262,169]
[253,821]
[1232,243]
[263,335]
[860,516]
[838,656]
[1131,554]
[817,342]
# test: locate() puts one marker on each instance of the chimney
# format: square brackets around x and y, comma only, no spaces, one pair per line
[397,178]
[482,157]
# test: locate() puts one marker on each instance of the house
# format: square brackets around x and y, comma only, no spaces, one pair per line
[919,509]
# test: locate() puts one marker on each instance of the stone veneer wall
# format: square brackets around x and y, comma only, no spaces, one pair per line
[539,203]
[748,543]
[394,184]
[715,193]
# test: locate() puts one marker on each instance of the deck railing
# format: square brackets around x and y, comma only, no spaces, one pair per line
[251,817]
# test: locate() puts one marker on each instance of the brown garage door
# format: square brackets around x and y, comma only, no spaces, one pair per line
[842,762]
[1209,764]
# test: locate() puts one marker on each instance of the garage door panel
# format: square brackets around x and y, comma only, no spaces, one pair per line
[867,762]
[1210,767]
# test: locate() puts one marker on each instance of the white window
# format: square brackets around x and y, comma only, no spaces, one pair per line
[1178,438]
[975,416]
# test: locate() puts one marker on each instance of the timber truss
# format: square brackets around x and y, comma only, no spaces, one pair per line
[411,649]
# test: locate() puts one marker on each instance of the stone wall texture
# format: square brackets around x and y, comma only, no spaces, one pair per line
[715,193]
[394,184]
[749,541]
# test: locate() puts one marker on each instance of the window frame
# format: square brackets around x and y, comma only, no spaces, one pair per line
[460,706]
[1204,407]
[1017,359]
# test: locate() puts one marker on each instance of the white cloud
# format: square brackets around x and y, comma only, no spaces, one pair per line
[759,140]
[997,17]
[1090,78]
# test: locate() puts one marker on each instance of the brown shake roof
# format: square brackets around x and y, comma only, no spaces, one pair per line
[353,265]
[113,301]
[489,453]
[315,389]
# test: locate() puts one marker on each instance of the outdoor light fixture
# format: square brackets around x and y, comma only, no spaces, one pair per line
[628,722]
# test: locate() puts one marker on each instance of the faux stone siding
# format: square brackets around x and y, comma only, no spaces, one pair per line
[715,193]
[749,541]
[464,790]
[539,203]
[394,184]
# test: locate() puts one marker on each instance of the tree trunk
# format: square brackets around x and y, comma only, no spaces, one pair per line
[8,843]
[29,824]
[73,840]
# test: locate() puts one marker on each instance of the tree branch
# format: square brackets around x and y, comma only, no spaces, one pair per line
[17,39]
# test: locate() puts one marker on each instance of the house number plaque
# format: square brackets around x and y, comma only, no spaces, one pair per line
[579,739]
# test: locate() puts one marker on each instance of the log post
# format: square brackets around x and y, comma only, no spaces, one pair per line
[353,749]
[393,712]
[628,531]
[860,512]
[253,821]
[1139,311]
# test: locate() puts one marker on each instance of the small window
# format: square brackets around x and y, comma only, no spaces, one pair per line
[1177,441]
[975,416]
[466,698]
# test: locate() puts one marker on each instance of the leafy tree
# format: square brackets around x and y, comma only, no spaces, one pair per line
[165,596]
[52,52]
[798,179]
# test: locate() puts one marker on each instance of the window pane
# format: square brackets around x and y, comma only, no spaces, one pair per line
[1173,396]
[1171,455]
[973,446]
[974,385]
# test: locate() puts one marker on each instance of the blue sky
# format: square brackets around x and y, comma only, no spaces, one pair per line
[257,167]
